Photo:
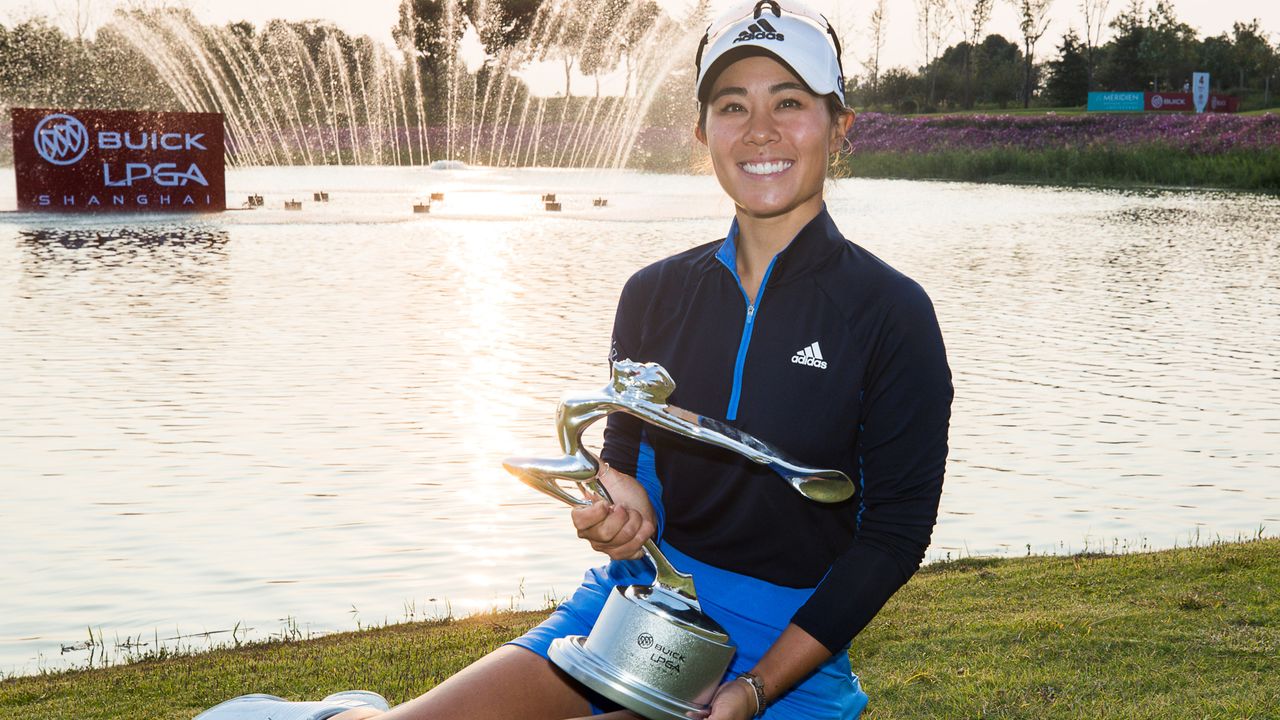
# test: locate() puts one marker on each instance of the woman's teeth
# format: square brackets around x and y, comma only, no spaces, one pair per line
[766,168]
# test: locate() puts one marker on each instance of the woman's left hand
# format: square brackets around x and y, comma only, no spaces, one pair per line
[734,700]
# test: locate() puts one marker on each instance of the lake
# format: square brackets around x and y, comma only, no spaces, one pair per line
[291,423]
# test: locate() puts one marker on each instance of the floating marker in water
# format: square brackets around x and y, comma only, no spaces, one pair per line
[437,197]
[600,202]
[553,206]
[548,197]
[420,207]
[292,204]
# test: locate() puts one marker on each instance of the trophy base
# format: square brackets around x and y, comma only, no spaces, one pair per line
[571,655]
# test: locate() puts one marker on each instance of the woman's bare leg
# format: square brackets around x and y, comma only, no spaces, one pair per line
[510,682]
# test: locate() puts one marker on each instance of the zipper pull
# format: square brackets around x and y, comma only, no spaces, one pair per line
[751,311]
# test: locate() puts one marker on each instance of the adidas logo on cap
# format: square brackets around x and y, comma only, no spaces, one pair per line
[811,356]
[759,30]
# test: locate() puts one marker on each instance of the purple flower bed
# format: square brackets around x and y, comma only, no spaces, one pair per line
[1202,134]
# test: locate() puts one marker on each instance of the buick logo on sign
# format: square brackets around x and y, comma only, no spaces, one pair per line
[645,640]
[61,139]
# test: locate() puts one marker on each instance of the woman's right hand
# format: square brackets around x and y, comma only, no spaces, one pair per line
[617,529]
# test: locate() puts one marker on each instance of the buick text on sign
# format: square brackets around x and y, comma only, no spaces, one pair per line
[102,160]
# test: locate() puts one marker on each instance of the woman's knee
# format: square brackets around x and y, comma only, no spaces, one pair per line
[509,679]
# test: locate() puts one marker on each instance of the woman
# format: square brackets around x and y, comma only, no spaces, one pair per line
[790,332]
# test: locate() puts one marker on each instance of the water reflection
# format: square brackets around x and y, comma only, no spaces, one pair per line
[148,263]
[165,246]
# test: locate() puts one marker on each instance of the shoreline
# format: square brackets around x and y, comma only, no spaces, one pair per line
[1143,634]
[1103,168]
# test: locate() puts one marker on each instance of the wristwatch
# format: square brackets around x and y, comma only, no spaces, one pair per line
[757,686]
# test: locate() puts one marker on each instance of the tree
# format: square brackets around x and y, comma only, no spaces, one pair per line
[1216,59]
[80,14]
[1169,47]
[1250,51]
[576,21]
[1095,19]
[1125,65]
[1243,60]
[949,75]
[901,88]
[876,29]
[433,28]
[1033,21]
[1068,82]
[933,21]
[643,19]
[501,24]
[972,16]
[40,65]
[1270,66]
[614,29]
[999,70]
[699,15]
[128,79]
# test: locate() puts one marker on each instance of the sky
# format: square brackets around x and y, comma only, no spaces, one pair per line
[376,17]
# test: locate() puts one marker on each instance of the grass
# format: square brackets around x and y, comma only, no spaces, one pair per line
[1189,633]
[1108,167]
[1067,110]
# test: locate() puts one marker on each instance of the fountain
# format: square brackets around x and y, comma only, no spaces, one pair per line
[307,93]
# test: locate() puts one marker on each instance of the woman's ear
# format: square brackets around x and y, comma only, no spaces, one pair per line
[840,130]
[700,133]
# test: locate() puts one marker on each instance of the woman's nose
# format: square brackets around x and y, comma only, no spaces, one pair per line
[761,130]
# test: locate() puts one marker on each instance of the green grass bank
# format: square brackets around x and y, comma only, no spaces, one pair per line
[1128,150]
[1095,167]
[1188,633]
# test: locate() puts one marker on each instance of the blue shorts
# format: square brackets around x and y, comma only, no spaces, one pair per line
[752,611]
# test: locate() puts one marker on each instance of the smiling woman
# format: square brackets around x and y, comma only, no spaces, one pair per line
[770,138]
[842,366]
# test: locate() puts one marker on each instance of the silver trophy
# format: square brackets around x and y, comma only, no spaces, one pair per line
[653,650]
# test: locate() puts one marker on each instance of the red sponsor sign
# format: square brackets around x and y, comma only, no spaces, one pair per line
[1223,103]
[1185,102]
[104,160]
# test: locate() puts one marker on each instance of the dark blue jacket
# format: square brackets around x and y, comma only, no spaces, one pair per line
[841,364]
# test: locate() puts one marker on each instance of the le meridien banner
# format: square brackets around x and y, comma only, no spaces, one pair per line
[1116,101]
[102,160]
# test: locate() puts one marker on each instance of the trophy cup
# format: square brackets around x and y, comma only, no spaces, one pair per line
[653,650]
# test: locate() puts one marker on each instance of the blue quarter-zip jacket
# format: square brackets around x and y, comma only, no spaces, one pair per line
[840,363]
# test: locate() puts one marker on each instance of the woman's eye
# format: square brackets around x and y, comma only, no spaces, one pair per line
[789,103]
[731,107]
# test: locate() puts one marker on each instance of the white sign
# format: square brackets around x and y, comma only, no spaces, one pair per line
[1200,90]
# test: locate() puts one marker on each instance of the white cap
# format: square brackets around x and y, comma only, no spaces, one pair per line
[788,31]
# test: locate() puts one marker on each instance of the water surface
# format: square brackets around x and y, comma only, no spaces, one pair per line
[295,421]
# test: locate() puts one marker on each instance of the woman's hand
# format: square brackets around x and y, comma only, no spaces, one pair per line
[734,700]
[617,529]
